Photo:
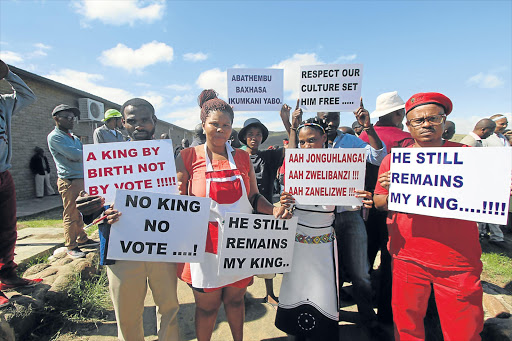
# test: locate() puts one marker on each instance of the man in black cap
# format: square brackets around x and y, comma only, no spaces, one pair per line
[66,150]
[10,104]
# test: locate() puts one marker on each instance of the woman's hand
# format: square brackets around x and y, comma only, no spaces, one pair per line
[285,112]
[385,179]
[366,196]
[282,213]
[112,215]
[297,116]
[286,200]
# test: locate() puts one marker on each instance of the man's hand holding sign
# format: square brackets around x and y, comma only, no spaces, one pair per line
[437,184]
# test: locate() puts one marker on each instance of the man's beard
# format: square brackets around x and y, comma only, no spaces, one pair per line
[141,135]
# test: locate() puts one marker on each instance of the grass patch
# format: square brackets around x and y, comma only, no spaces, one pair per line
[87,302]
[52,218]
[497,269]
[91,230]
[89,298]
[43,259]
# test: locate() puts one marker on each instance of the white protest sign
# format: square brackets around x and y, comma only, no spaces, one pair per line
[256,244]
[325,176]
[255,89]
[461,183]
[157,227]
[136,165]
[330,87]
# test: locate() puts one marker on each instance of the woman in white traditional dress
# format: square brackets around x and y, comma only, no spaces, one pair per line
[308,301]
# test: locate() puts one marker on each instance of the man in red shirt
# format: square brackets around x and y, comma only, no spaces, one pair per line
[434,251]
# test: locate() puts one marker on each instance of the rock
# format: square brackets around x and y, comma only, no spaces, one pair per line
[34,270]
[497,329]
[85,268]
[62,261]
[61,283]
[49,271]
[50,279]
[493,306]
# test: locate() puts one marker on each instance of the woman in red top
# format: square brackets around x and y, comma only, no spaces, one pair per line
[225,175]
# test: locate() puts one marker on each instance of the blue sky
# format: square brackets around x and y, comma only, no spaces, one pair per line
[167,52]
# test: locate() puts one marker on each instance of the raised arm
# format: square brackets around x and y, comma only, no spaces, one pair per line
[22,96]
[296,119]
[363,118]
[285,117]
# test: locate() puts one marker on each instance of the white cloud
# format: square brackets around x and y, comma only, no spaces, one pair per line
[88,83]
[186,118]
[179,87]
[291,68]
[42,46]
[117,12]
[155,99]
[485,80]
[180,100]
[195,57]
[126,58]
[347,58]
[10,57]
[214,79]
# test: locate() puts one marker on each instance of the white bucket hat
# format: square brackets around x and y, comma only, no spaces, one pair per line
[387,103]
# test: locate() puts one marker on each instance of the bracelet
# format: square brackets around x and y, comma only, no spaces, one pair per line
[292,128]
[368,128]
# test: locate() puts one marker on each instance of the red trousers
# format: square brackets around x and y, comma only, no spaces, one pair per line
[7,225]
[458,298]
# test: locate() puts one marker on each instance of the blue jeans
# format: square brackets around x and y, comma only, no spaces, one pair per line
[353,257]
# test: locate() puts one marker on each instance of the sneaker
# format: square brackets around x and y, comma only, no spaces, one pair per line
[76,253]
[89,242]
[18,282]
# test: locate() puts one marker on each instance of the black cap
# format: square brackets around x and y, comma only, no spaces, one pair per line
[64,107]
[252,122]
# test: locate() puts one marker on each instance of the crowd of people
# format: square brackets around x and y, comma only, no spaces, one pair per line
[333,244]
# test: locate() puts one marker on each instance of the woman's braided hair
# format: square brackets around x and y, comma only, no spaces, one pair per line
[208,101]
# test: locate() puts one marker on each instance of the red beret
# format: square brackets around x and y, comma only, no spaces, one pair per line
[423,98]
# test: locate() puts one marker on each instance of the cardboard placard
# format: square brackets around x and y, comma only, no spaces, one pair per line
[325,176]
[135,165]
[157,227]
[460,183]
[256,244]
[330,87]
[255,89]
